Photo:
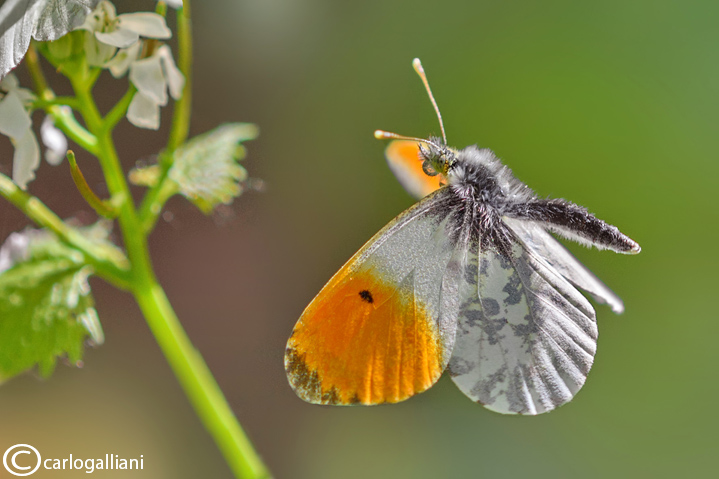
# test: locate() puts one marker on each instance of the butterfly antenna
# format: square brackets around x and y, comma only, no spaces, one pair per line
[420,71]
[386,135]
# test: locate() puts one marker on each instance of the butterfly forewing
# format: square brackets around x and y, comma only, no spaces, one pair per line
[526,338]
[382,329]
[403,158]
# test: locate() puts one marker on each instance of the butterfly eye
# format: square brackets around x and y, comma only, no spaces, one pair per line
[428,169]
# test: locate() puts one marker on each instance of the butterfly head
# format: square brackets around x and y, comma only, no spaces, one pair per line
[437,158]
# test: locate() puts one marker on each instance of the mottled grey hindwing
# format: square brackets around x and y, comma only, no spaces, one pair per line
[526,337]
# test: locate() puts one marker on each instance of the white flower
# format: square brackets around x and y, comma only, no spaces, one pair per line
[54,140]
[153,76]
[109,31]
[16,124]
[174,3]
[121,62]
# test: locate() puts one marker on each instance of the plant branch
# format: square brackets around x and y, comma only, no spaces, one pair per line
[63,118]
[101,207]
[183,106]
[32,62]
[155,199]
[66,121]
[199,384]
[120,109]
[156,196]
[41,104]
[186,362]
[109,263]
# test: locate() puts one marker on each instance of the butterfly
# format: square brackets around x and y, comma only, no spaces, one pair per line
[470,279]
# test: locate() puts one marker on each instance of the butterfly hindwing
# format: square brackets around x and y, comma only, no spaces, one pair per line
[383,327]
[526,337]
[535,237]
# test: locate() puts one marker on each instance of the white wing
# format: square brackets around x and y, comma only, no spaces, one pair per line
[526,337]
[535,237]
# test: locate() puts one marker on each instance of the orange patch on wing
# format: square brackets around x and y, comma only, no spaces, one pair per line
[363,341]
[404,161]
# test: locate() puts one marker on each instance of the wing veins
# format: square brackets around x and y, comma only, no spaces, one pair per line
[526,393]
[533,358]
[554,307]
[561,351]
[533,313]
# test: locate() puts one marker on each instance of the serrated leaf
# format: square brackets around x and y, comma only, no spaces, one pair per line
[205,169]
[43,20]
[46,307]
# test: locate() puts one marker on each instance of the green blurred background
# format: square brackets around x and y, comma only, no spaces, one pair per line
[611,104]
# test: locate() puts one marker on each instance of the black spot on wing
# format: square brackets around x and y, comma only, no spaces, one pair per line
[366,296]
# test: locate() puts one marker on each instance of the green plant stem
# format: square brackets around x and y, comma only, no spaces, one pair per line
[155,200]
[70,101]
[38,78]
[183,107]
[46,99]
[199,384]
[68,124]
[101,207]
[156,197]
[192,372]
[120,109]
[109,263]
[187,364]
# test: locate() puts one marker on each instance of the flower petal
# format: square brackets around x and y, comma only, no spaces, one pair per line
[26,96]
[94,22]
[54,140]
[148,77]
[150,25]
[120,63]
[174,77]
[144,112]
[174,3]
[14,120]
[26,159]
[10,82]
[120,38]
[97,52]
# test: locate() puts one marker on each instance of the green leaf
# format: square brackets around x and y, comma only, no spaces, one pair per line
[205,169]
[46,308]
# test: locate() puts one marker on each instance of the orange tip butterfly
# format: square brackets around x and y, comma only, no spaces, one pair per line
[470,279]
